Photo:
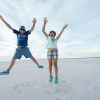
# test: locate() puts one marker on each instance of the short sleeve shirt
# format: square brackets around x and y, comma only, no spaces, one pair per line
[52,42]
[22,39]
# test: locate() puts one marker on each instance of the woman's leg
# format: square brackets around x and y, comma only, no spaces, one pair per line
[11,64]
[50,67]
[56,68]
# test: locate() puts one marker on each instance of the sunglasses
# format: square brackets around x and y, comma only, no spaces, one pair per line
[22,29]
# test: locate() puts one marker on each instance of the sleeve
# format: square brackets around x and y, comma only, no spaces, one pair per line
[15,31]
[28,32]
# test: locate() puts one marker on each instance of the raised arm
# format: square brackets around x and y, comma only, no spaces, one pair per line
[61,31]
[43,29]
[33,25]
[6,23]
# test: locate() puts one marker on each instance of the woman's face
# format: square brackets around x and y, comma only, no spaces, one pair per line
[22,31]
[52,34]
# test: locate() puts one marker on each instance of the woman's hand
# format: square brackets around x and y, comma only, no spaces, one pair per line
[65,26]
[45,20]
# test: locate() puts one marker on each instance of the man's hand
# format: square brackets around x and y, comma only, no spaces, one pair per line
[1,17]
[8,25]
[34,20]
[45,20]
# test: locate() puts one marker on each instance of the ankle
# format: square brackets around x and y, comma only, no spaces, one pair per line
[8,70]
[56,76]
[50,75]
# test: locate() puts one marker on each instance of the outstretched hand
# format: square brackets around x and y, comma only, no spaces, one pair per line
[34,20]
[45,20]
[1,17]
[65,26]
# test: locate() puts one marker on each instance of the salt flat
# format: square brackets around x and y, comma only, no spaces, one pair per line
[79,79]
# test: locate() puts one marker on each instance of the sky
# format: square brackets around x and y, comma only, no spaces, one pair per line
[80,39]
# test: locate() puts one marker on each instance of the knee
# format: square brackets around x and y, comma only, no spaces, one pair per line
[50,64]
[31,57]
[13,59]
[55,64]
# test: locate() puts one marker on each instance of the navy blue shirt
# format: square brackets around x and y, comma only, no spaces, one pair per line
[22,39]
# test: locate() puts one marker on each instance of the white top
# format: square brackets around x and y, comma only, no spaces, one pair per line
[52,42]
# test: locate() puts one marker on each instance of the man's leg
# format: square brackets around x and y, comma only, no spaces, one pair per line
[17,55]
[11,65]
[34,60]
[27,54]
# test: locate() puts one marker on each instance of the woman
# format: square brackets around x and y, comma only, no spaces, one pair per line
[52,53]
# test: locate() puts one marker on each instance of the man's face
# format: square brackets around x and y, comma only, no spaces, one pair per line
[22,31]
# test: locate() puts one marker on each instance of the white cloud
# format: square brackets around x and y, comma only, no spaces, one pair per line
[79,40]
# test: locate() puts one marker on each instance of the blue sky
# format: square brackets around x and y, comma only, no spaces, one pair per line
[80,39]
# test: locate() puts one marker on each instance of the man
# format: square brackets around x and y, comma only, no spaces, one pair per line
[22,45]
